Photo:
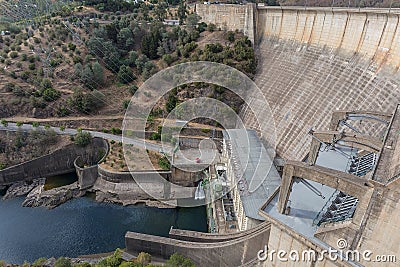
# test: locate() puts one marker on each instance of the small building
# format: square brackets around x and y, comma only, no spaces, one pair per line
[171,22]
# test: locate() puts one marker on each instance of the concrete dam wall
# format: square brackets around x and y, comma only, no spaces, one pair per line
[315,61]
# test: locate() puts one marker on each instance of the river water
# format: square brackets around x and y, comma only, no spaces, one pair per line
[83,226]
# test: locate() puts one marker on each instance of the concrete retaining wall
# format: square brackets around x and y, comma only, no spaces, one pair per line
[142,185]
[230,17]
[87,176]
[234,252]
[56,163]
[124,177]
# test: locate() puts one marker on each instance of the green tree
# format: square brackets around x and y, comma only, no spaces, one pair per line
[62,128]
[87,77]
[83,138]
[192,21]
[164,163]
[78,70]
[161,10]
[51,94]
[39,262]
[4,123]
[125,74]
[132,89]
[35,124]
[211,27]
[98,74]
[230,35]
[112,261]
[19,123]
[46,83]
[125,38]
[144,258]
[86,102]
[182,11]
[172,100]
[177,260]
[133,55]
[62,262]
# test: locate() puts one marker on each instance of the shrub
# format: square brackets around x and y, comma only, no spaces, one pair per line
[18,91]
[125,103]
[164,163]
[112,261]
[125,74]
[62,262]
[14,54]
[132,89]
[83,138]
[177,260]
[51,94]
[144,258]
[39,262]
[4,123]
[9,87]
[211,27]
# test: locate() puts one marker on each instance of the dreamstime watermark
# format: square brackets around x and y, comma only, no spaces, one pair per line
[332,254]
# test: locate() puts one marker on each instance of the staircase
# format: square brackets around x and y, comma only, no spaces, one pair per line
[361,166]
[343,205]
[342,208]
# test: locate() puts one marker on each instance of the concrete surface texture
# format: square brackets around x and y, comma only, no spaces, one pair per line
[235,252]
[315,61]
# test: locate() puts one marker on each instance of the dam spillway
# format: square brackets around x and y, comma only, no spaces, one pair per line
[316,60]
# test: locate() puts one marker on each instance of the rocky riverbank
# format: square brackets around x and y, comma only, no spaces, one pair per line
[125,199]
[22,188]
[50,199]
[36,196]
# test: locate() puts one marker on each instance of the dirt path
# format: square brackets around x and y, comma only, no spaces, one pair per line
[80,118]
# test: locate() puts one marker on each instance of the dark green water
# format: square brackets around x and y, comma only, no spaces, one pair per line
[60,180]
[83,226]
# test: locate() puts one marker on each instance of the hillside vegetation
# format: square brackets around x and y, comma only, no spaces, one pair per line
[76,60]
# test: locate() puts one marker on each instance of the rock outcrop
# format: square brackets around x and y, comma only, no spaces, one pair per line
[22,188]
[50,199]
